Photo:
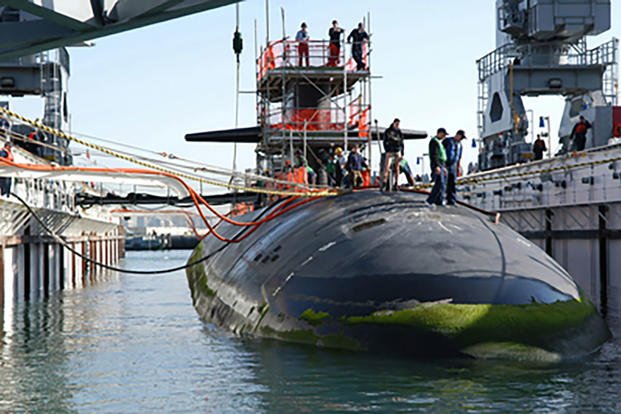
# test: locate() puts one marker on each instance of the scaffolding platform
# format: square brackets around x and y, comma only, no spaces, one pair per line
[276,80]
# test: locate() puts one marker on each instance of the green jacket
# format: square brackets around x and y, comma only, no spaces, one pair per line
[437,153]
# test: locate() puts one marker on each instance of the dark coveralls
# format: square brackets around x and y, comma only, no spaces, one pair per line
[453,156]
[437,158]
[579,134]
[539,147]
[358,38]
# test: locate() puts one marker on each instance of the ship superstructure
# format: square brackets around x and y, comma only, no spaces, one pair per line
[570,203]
[542,50]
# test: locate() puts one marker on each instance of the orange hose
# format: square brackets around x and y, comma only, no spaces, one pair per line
[196,198]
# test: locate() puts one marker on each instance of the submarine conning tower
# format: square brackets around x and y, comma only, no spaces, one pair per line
[542,50]
[310,104]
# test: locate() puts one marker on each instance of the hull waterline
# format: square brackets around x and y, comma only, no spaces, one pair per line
[387,273]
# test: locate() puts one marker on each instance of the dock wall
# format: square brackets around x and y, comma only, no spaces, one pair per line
[571,207]
[585,240]
[33,264]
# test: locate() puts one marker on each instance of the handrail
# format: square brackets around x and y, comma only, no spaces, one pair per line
[285,53]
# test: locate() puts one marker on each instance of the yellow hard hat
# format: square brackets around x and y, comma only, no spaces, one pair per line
[338,151]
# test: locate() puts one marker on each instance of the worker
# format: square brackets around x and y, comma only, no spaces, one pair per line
[5,124]
[404,167]
[578,134]
[393,149]
[340,166]
[437,158]
[453,150]
[302,38]
[355,166]
[288,174]
[539,147]
[334,47]
[357,38]
[5,182]
[331,170]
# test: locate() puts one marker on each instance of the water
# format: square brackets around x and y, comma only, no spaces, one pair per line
[135,344]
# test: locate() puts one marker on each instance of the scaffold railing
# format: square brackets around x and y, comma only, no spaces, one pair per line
[288,54]
[319,120]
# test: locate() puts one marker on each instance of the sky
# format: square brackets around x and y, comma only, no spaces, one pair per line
[150,86]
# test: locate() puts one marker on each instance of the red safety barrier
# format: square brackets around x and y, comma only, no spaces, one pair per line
[286,53]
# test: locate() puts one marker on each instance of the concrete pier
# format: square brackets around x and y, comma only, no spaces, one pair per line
[34,265]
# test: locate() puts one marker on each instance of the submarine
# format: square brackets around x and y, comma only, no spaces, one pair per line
[387,273]
[365,270]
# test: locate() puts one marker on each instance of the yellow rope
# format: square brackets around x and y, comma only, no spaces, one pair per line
[105,150]
[259,190]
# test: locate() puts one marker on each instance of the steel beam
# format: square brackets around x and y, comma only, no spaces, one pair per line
[48,14]
[58,30]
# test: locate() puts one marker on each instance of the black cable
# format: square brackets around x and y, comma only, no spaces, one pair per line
[64,243]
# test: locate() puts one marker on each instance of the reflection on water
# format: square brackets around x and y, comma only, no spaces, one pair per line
[134,343]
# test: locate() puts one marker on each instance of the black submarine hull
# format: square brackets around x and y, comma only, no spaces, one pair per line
[385,272]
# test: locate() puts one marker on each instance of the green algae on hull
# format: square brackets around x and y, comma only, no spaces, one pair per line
[197,276]
[309,337]
[312,317]
[534,332]
[470,324]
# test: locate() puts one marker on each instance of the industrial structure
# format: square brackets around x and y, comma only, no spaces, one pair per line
[321,104]
[307,109]
[542,50]
[34,61]
[570,204]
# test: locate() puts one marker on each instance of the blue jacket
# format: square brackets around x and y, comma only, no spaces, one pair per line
[453,150]
[355,161]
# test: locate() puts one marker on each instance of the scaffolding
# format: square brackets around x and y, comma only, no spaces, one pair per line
[311,102]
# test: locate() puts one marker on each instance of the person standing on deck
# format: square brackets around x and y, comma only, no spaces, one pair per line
[340,163]
[453,149]
[539,147]
[5,182]
[302,38]
[357,38]
[437,158]
[578,134]
[393,151]
[334,47]
[355,166]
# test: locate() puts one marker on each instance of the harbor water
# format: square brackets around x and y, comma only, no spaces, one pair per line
[135,344]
